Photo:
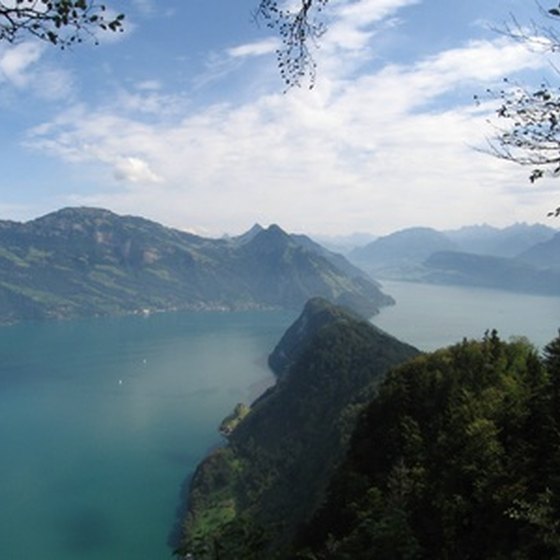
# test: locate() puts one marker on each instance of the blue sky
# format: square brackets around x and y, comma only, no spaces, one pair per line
[183,119]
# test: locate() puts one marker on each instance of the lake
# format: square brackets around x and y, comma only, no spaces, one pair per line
[102,420]
[431,316]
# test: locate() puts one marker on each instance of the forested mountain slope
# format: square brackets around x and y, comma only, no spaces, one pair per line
[457,457]
[466,269]
[453,454]
[273,472]
[87,261]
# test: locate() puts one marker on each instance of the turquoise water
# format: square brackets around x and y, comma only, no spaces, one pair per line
[431,316]
[101,421]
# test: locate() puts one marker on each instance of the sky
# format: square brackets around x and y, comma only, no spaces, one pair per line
[184,119]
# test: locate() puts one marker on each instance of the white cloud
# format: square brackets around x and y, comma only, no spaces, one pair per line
[353,22]
[258,48]
[23,67]
[372,153]
[150,101]
[134,170]
[149,85]
[17,61]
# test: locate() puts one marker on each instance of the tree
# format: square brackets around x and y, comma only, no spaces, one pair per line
[530,135]
[59,22]
[65,22]
[299,29]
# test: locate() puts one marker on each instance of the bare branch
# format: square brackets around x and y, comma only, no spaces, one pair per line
[299,30]
[530,133]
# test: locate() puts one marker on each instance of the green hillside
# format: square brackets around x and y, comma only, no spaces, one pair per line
[85,261]
[272,475]
[457,457]
[453,454]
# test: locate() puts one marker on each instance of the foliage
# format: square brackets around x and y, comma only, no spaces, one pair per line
[280,457]
[455,454]
[60,22]
[229,423]
[533,137]
[530,135]
[299,30]
[457,457]
[236,539]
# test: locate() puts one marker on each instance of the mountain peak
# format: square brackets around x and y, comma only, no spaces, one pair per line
[76,212]
[272,236]
[248,235]
[99,263]
[274,230]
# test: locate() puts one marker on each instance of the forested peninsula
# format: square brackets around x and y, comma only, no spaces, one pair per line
[367,449]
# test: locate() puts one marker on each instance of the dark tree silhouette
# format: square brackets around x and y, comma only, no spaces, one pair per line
[299,30]
[528,133]
[59,22]
[65,22]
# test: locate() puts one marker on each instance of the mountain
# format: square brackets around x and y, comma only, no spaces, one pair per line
[365,449]
[334,258]
[317,314]
[456,457]
[520,257]
[506,242]
[490,272]
[86,261]
[248,235]
[345,243]
[545,255]
[402,251]
[281,453]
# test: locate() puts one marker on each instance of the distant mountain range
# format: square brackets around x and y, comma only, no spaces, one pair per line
[523,258]
[80,262]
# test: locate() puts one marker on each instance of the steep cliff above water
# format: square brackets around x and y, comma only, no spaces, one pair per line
[279,457]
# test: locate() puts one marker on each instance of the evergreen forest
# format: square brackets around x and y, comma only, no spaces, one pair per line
[449,455]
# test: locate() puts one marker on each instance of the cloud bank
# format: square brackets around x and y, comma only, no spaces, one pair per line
[373,150]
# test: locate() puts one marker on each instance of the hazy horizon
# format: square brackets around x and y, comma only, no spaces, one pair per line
[331,237]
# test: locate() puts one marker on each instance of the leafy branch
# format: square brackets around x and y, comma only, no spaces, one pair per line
[299,30]
[59,22]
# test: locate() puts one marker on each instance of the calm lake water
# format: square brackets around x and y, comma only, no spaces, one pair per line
[102,420]
[430,316]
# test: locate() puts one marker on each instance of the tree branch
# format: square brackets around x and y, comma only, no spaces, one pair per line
[299,30]
[59,22]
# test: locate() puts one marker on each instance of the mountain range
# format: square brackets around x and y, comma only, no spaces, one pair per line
[79,262]
[523,258]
